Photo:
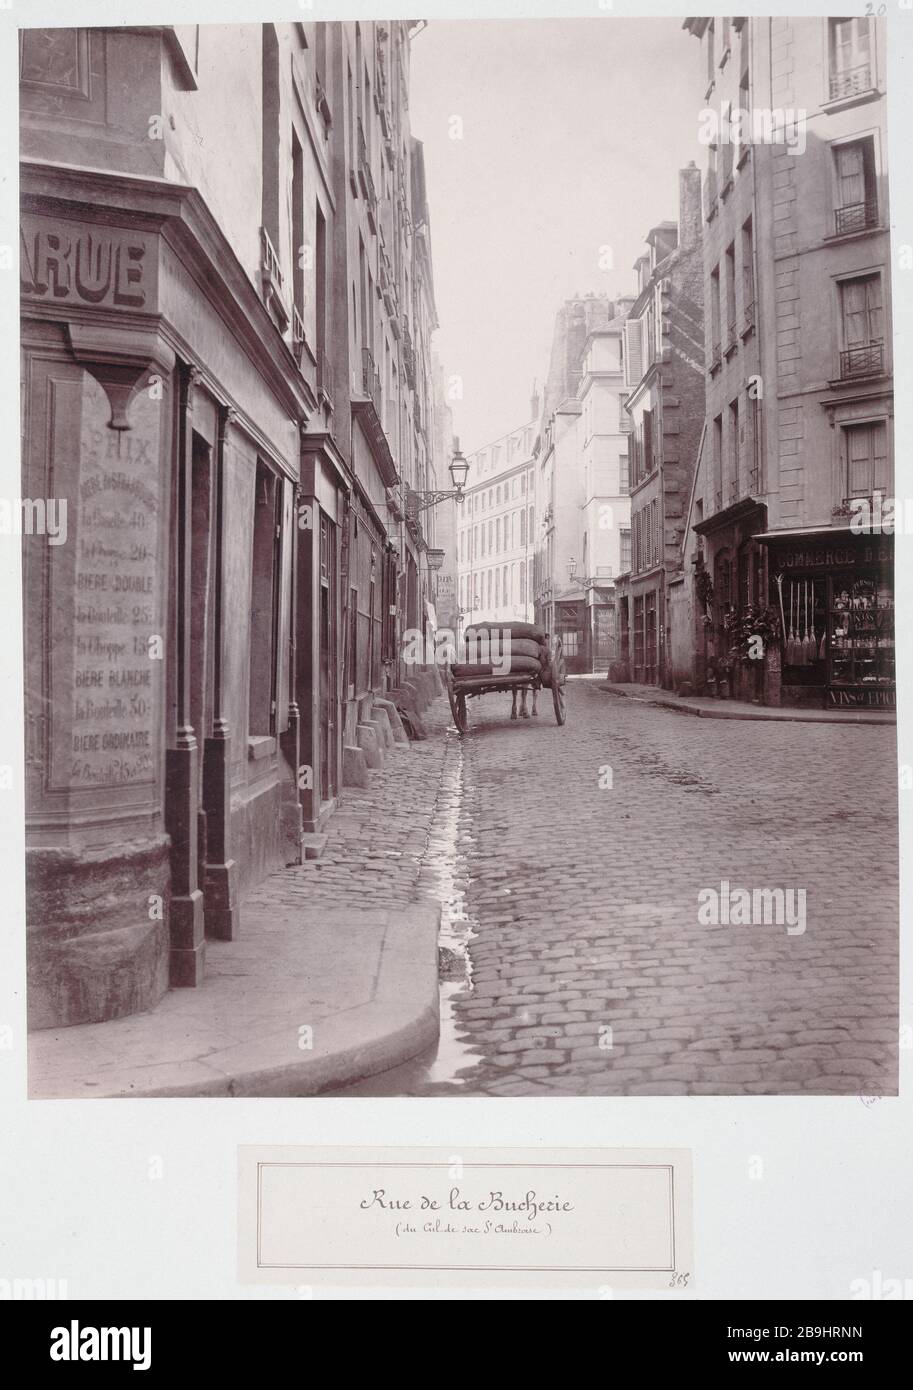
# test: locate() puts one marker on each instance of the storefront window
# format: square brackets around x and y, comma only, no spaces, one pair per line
[862,640]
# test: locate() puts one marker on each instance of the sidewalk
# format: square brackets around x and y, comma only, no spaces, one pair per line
[334,976]
[707,708]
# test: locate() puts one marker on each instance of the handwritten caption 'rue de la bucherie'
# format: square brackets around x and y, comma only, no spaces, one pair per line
[529,1206]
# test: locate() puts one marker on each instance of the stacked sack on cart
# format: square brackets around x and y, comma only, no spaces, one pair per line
[508,649]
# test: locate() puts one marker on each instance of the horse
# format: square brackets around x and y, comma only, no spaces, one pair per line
[523,691]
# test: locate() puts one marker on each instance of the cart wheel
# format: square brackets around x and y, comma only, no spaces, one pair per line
[457,704]
[559,679]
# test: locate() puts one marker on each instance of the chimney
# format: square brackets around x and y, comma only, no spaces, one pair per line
[534,403]
[689,206]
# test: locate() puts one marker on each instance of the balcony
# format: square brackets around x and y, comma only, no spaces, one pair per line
[272,281]
[370,380]
[408,355]
[856,217]
[862,361]
[366,178]
[716,354]
[748,318]
[731,336]
[323,376]
[298,335]
[367,407]
[851,82]
[322,104]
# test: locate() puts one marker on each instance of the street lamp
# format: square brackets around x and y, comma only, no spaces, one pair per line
[420,501]
[571,568]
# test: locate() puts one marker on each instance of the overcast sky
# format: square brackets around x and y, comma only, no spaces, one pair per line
[573,135]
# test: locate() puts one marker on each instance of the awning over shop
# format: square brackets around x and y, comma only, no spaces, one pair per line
[801,531]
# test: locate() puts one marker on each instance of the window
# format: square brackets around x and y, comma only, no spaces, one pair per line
[482,550]
[862,322]
[649,459]
[497,588]
[522,581]
[865,458]
[491,533]
[634,351]
[716,338]
[298,230]
[625,560]
[497,535]
[529,525]
[624,482]
[748,311]
[523,527]
[850,55]
[498,495]
[734,449]
[754,451]
[730,295]
[717,461]
[505,584]
[489,588]
[856,202]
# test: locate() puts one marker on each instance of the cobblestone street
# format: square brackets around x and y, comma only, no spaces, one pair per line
[591,973]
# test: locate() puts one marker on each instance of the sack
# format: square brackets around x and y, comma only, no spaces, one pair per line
[509,630]
[519,666]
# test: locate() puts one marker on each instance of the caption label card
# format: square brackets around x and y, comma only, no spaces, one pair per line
[613,1218]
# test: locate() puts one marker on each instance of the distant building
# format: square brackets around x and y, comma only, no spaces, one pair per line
[581,473]
[664,379]
[496,525]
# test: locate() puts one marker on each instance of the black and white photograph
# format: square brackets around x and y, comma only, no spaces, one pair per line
[458,520]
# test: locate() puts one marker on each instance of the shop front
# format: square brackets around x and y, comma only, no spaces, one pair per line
[571,625]
[835,591]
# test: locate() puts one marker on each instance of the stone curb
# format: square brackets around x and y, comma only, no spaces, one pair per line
[766,713]
[400,1021]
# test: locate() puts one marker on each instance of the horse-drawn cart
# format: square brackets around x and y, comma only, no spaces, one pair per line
[462,686]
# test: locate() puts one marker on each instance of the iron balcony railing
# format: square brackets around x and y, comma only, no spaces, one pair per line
[371,379]
[366,178]
[323,372]
[862,361]
[856,217]
[851,81]
[272,280]
[748,314]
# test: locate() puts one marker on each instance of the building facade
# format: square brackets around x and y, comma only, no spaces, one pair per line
[226,310]
[582,483]
[664,377]
[799,421]
[496,527]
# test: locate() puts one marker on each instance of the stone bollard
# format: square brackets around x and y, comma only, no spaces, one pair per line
[382,726]
[366,735]
[418,695]
[396,724]
[354,767]
[408,708]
